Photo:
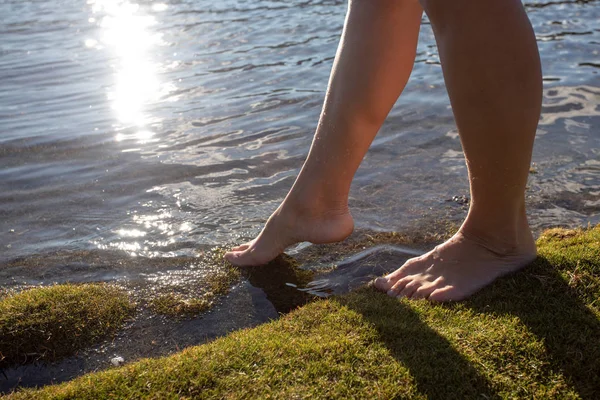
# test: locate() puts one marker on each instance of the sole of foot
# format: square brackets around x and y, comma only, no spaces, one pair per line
[455,269]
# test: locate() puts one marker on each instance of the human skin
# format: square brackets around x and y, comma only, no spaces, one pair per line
[492,72]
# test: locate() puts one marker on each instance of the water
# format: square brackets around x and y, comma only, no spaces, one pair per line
[156,128]
[150,130]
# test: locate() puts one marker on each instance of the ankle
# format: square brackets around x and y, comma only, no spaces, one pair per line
[505,237]
[315,200]
[313,207]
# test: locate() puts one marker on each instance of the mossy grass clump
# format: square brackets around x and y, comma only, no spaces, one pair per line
[224,275]
[176,305]
[217,280]
[533,334]
[47,323]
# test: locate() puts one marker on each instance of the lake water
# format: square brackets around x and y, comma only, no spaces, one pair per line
[151,130]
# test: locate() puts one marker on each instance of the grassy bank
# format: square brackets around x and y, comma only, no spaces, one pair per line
[55,321]
[534,334]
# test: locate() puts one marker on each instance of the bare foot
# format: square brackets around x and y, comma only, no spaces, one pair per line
[289,225]
[455,269]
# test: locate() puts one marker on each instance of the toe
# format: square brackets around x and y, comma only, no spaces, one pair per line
[397,274]
[232,256]
[387,283]
[241,247]
[409,289]
[398,287]
[382,284]
[256,254]
[423,291]
[242,258]
[443,294]
[244,246]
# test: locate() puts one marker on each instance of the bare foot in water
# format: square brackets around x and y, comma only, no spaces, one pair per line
[290,225]
[455,269]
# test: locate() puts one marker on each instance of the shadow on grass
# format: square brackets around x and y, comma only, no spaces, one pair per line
[439,370]
[545,303]
[539,296]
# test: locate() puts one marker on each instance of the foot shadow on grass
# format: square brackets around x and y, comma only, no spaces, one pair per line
[550,309]
[439,370]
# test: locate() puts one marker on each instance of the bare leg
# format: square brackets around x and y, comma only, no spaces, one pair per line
[492,71]
[371,68]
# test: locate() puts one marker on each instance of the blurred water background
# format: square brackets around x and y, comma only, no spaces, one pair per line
[161,129]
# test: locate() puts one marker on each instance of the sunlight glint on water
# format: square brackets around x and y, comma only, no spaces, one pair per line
[129,34]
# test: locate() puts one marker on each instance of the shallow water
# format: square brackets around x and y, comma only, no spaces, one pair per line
[147,129]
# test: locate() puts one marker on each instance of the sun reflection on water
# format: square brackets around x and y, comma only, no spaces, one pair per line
[127,32]
[147,232]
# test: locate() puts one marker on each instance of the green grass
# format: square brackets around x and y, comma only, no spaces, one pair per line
[50,322]
[534,334]
[176,306]
[576,253]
